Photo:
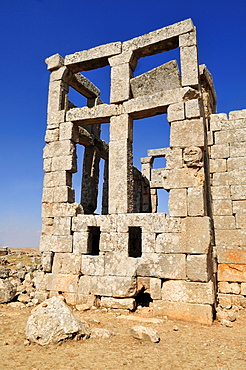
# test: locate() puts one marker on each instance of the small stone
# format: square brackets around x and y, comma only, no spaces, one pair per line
[101,333]
[26,342]
[226,323]
[82,307]
[175,328]
[143,333]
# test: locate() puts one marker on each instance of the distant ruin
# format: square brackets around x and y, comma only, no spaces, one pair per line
[184,262]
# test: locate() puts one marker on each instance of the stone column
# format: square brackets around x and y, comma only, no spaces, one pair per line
[120,165]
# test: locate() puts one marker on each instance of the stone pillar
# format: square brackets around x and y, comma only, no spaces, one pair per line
[120,165]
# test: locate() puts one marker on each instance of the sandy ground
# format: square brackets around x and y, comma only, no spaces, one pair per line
[182,345]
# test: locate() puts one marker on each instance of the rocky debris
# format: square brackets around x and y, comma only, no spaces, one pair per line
[101,333]
[7,291]
[4,251]
[143,333]
[53,321]
[227,315]
[226,323]
[18,280]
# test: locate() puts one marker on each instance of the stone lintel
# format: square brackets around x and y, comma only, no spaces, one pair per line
[84,86]
[96,57]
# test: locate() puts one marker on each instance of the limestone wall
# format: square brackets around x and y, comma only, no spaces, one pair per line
[227,141]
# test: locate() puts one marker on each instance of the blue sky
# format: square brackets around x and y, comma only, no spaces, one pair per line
[32,30]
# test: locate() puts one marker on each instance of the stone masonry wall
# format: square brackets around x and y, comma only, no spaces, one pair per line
[227,137]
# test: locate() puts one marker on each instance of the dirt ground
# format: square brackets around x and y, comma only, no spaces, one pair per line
[182,346]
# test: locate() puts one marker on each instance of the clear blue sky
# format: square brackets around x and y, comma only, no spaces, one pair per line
[32,30]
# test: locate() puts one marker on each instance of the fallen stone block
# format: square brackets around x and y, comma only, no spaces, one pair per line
[53,321]
[119,303]
[7,291]
[143,333]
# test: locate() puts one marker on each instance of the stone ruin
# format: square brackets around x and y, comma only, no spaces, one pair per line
[182,263]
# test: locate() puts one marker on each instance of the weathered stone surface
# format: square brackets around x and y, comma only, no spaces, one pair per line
[192,108]
[196,201]
[47,261]
[175,112]
[7,291]
[101,333]
[66,263]
[164,266]
[164,77]
[199,267]
[201,313]
[196,235]
[120,303]
[62,283]
[187,133]
[92,265]
[189,65]
[88,116]
[4,272]
[114,286]
[232,272]
[143,333]
[118,264]
[53,243]
[190,292]
[225,287]
[54,61]
[222,207]
[168,243]
[155,288]
[120,83]
[224,222]
[53,321]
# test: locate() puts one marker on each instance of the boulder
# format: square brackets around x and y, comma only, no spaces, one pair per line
[7,291]
[53,321]
[143,333]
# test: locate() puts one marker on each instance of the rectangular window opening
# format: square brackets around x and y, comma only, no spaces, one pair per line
[93,240]
[135,241]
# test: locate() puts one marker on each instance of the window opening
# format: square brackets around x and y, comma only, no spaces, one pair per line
[159,163]
[100,77]
[93,240]
[76,99]
[135,241]
[162,199]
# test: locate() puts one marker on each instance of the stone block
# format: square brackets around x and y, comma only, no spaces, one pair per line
[121,128]
[238,192]
[237,114]
[58,149]
[222,207]
[62,226]
[200,313]
[189,292]
[218,165]
[55,117]
[92,58]
[196,235]
[80,242]
[224,222]
[54,62]
[58,178]
[120,303]
[174,158]
[173,224]
[243,288]
[114,286]
[87,116]
[226,300]
[47,164]
[187,133]
[81,222]
[188,39]
[107,223]
[155,288]
[196,203]
[149,105]
[61,209]
[47,226]
[48,195]
[220,151]
[148,44]
[232,272]
[237,163]
[64,163]
[175,112]
[64,194]
[229,238]
[239,208]
[148,242]
[230,136]
[218,117]
[189,65]
[84,286]
[92,265]
[46,262]
[177,202]
[231,255]
[51,135]
[66,263]
[192,108]
[168,243]
[220,192]
[164,77]
[163,266]
[120,83]
[62,283]
[87,299]
[199,267]
[227,288]
[52,243]
[237,150]
[182,178]
[118,264]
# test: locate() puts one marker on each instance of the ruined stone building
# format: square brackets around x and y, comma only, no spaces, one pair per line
[184,262]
